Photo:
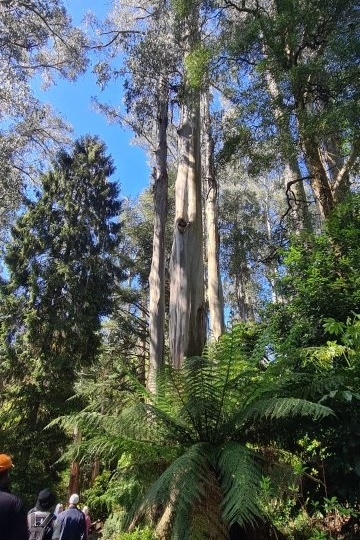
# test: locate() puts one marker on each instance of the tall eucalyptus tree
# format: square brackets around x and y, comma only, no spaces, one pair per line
[144,32]
[37,39]
[211,196]
[158,40]
[157,272]
[187,306]
[309,49]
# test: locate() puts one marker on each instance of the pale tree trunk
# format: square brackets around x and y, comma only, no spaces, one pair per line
[157,272]
[294,185]
[272,270]
[214,285]
[186,310]
[186,307]
[243,301]
[74,480]
[337,166]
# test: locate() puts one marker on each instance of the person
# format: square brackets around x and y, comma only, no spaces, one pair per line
[13,524]
[71,524]
[87,520]
[41,515]
[58,509]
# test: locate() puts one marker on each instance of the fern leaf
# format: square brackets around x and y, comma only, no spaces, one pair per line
[240,478]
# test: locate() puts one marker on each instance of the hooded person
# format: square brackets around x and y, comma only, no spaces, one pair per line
[42,516]
[71,524]
[13,525]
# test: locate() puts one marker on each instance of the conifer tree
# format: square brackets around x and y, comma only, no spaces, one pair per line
[63,273]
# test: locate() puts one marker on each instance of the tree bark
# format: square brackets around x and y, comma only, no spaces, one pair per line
[214,284]
[157,271]
[318,177]
[186,306]
[293,183]
[186,310]
[74,480]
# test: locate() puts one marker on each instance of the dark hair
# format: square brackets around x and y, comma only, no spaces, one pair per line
[4,477]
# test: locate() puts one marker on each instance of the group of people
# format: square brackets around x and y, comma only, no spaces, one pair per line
[46,520]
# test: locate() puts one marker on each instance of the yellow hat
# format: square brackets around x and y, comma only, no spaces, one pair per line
[5,462]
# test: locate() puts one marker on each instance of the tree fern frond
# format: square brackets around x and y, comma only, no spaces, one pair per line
[181,485]
[89,420]
[145,422]
[240,478]
[282,407]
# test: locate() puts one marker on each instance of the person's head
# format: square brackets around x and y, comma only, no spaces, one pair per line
[5,465]
[74,499]
[86,510]
[58,509]
[46,499]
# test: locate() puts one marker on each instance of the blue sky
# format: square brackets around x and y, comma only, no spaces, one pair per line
[73,101]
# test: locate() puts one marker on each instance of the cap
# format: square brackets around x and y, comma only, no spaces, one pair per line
[46,498]
[5,462]
[74,498]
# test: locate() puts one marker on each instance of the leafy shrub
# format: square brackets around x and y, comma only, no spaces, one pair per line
[138,534]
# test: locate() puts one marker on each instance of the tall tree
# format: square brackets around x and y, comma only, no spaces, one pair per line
[211,190]
[62,276]
[157,272]
[314,64]
[187,309]
[37,39]
[144,32]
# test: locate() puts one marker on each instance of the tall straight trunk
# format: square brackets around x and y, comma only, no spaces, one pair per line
[74,479]
[293,183]
[186,306]
[245,306]
[271,266]
[157,271]
[186,310]
[214,285]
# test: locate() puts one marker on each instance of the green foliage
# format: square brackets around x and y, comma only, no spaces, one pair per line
[182,8]
[321,281]
[199,435]
[197,66]
[138,534]
[343,394]
[62,276]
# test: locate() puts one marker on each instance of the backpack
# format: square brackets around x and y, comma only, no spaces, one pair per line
[40,525]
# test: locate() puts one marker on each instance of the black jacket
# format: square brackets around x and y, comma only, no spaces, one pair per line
[13,522]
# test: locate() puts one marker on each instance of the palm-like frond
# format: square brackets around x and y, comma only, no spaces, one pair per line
[182,484]
[281,407]
[240,477]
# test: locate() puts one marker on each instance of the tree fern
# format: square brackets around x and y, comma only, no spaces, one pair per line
[195,431]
